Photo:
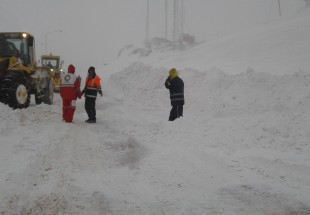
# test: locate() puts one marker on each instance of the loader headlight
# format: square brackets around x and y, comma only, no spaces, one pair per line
[24,35]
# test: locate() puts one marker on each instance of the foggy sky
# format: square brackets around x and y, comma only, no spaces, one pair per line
[93,31]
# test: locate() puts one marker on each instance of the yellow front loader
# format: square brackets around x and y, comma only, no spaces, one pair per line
[53,64]
[19,75]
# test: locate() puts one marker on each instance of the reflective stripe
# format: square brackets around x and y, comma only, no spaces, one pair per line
[177,94]
[177,99]
[68,85]
[91,96]
[92,83]
[91,88]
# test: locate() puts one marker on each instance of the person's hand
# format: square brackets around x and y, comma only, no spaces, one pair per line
[100,92]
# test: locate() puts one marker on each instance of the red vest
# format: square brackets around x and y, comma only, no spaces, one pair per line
[70,87]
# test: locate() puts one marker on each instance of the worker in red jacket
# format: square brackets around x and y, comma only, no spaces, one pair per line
[70,91]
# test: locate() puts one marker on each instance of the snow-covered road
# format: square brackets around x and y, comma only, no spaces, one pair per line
[242,149]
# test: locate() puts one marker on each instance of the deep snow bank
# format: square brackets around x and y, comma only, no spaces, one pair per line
[215,92]
[264,105]
[248,133]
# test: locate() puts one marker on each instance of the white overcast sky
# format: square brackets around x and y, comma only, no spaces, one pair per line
[93,31]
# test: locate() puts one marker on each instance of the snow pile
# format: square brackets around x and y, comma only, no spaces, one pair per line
[242,147]
[159,45]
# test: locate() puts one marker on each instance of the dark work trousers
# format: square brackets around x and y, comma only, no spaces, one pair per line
[176,112]
[90,107]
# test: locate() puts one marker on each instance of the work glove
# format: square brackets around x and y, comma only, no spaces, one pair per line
[100,92]
[78,94]
[79,79]
[167,83]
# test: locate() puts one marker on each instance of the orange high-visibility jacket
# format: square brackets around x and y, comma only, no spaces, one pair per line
[92,86]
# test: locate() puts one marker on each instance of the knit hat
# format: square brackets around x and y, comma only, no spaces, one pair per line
[91,69]
[91,72]
[173,73]
[71,69]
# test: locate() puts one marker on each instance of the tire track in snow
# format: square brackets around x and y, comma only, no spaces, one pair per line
[77,153]
[51,187]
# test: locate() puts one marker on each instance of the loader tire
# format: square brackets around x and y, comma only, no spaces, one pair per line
[46,95]
[15,90]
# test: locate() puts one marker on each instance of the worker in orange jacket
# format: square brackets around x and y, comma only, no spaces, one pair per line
[92,88]
[70,91]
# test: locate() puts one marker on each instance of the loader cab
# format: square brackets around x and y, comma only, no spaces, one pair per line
[51,61]
[13,43]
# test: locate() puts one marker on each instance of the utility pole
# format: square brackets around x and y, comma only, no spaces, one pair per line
[173,33]
[279,7]
[166,24]
[178,19]
[147,20]
[182,18]
[175,20]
